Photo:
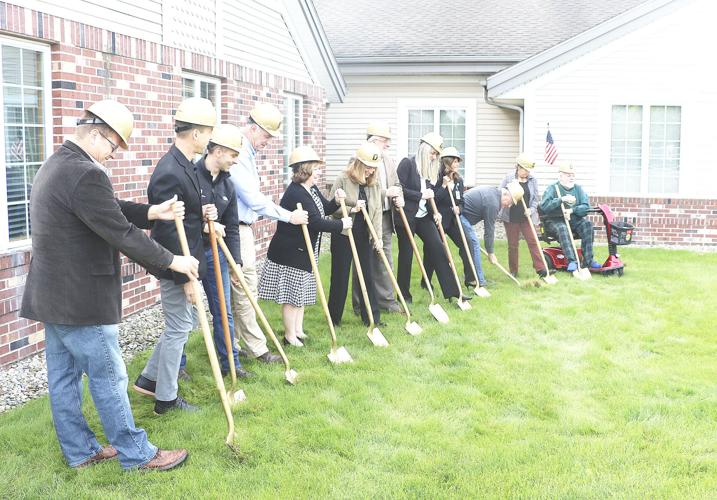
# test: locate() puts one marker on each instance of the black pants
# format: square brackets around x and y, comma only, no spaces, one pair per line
[433,252]
[341,258]
[454,233]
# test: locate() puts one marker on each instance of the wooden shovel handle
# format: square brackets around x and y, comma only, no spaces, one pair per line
[222,301]
[359,271]
[448,250]
[415,252]
[469,251]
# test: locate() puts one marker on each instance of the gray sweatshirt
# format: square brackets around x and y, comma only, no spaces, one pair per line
[483,204]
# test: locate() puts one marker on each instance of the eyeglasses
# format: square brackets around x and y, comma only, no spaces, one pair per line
[115,147]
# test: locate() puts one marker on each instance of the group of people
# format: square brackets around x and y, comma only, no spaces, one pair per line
[209,179]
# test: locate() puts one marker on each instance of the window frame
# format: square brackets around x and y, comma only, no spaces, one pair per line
[198,80]
[44,49]
[647,104]
[437,105]
[289,125]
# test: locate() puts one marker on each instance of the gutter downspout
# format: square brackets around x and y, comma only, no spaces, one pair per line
[521,127]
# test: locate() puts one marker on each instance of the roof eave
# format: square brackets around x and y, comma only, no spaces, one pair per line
[422,65]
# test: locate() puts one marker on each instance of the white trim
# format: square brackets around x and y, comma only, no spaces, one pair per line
[44,49]
[289,127]
[198,78]
[467,104]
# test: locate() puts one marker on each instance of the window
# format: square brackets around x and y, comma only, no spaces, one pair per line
[26,137]
[202,86]
[454,119]
[645,149]
[293,129]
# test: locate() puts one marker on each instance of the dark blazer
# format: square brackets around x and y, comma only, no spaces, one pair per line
[288,247]
[443,200]
[410,182]
[77,229]
[174,174]
[221,193]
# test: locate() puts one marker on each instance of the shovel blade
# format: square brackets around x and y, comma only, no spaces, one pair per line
[463,305]
[413,328]
[550,279]
[340,355]
[585,272]
[438,313]
[377,338]
[237,397]
[291,376]
[482,292]
[580,276]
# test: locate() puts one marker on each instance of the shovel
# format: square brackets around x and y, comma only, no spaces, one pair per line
[289,374]
[479,290]
[208,341]
[374,334]
[462,304]
[435,309]
[580,273]
[548,278]
[337,354]
[412,327]
[505,271]
[234,395]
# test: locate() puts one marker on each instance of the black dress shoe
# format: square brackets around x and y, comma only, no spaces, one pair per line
[244,353]
[466,298]
[268,357]
[242,373]
[162,407]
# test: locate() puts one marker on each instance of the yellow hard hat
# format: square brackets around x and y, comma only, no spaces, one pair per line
[197,111]
[114,115]
[268,117]
[566,168]
[523,160]
[434,140]
[516,191]
[228,136]
[379,128]
[369,154]
[303,154]
[451,152]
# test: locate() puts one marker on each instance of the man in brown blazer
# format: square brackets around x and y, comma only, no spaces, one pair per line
[74,286]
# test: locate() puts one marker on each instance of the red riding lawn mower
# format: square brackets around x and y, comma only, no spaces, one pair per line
[618,233]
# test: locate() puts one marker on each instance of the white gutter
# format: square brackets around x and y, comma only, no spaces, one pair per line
[520,111]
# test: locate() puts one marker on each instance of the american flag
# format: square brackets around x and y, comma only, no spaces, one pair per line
[551,153]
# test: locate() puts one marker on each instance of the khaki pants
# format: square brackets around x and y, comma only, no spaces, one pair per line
[245,325]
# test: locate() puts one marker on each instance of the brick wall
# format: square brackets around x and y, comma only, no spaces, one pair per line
[89,64]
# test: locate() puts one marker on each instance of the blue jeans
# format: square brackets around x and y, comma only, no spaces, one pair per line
[210,288]
[94,350]
[474,245]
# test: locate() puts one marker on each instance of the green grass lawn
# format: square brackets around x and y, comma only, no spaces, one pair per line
[594,389]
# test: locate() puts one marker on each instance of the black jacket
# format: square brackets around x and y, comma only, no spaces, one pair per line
[222,194]
[443,200]
[288,247]
[174,174]
[78,229]
[410,182]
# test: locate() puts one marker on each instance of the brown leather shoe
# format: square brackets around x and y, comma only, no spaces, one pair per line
[106,453]
[165,460]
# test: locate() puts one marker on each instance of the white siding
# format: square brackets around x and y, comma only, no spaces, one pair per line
[378,98]
[191,25]
[256,35]
[667,62]
[137,18]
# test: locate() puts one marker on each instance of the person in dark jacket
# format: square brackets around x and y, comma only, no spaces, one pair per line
[565,192]
[287,278]
[218,190]
[414,174]
[175,175]
[74,286]
[516,220]
[450,181]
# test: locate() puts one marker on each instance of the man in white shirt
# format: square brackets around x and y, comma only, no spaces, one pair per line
[263,125]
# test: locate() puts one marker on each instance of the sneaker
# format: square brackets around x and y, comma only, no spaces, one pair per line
[268,357]
[594,265]
[162,407]
[145,386]
[165,460]
[572,266]
[106,453]
[184,375]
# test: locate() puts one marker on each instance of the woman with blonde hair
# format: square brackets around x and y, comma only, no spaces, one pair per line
[415,174]
[287,278]
[362,190]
